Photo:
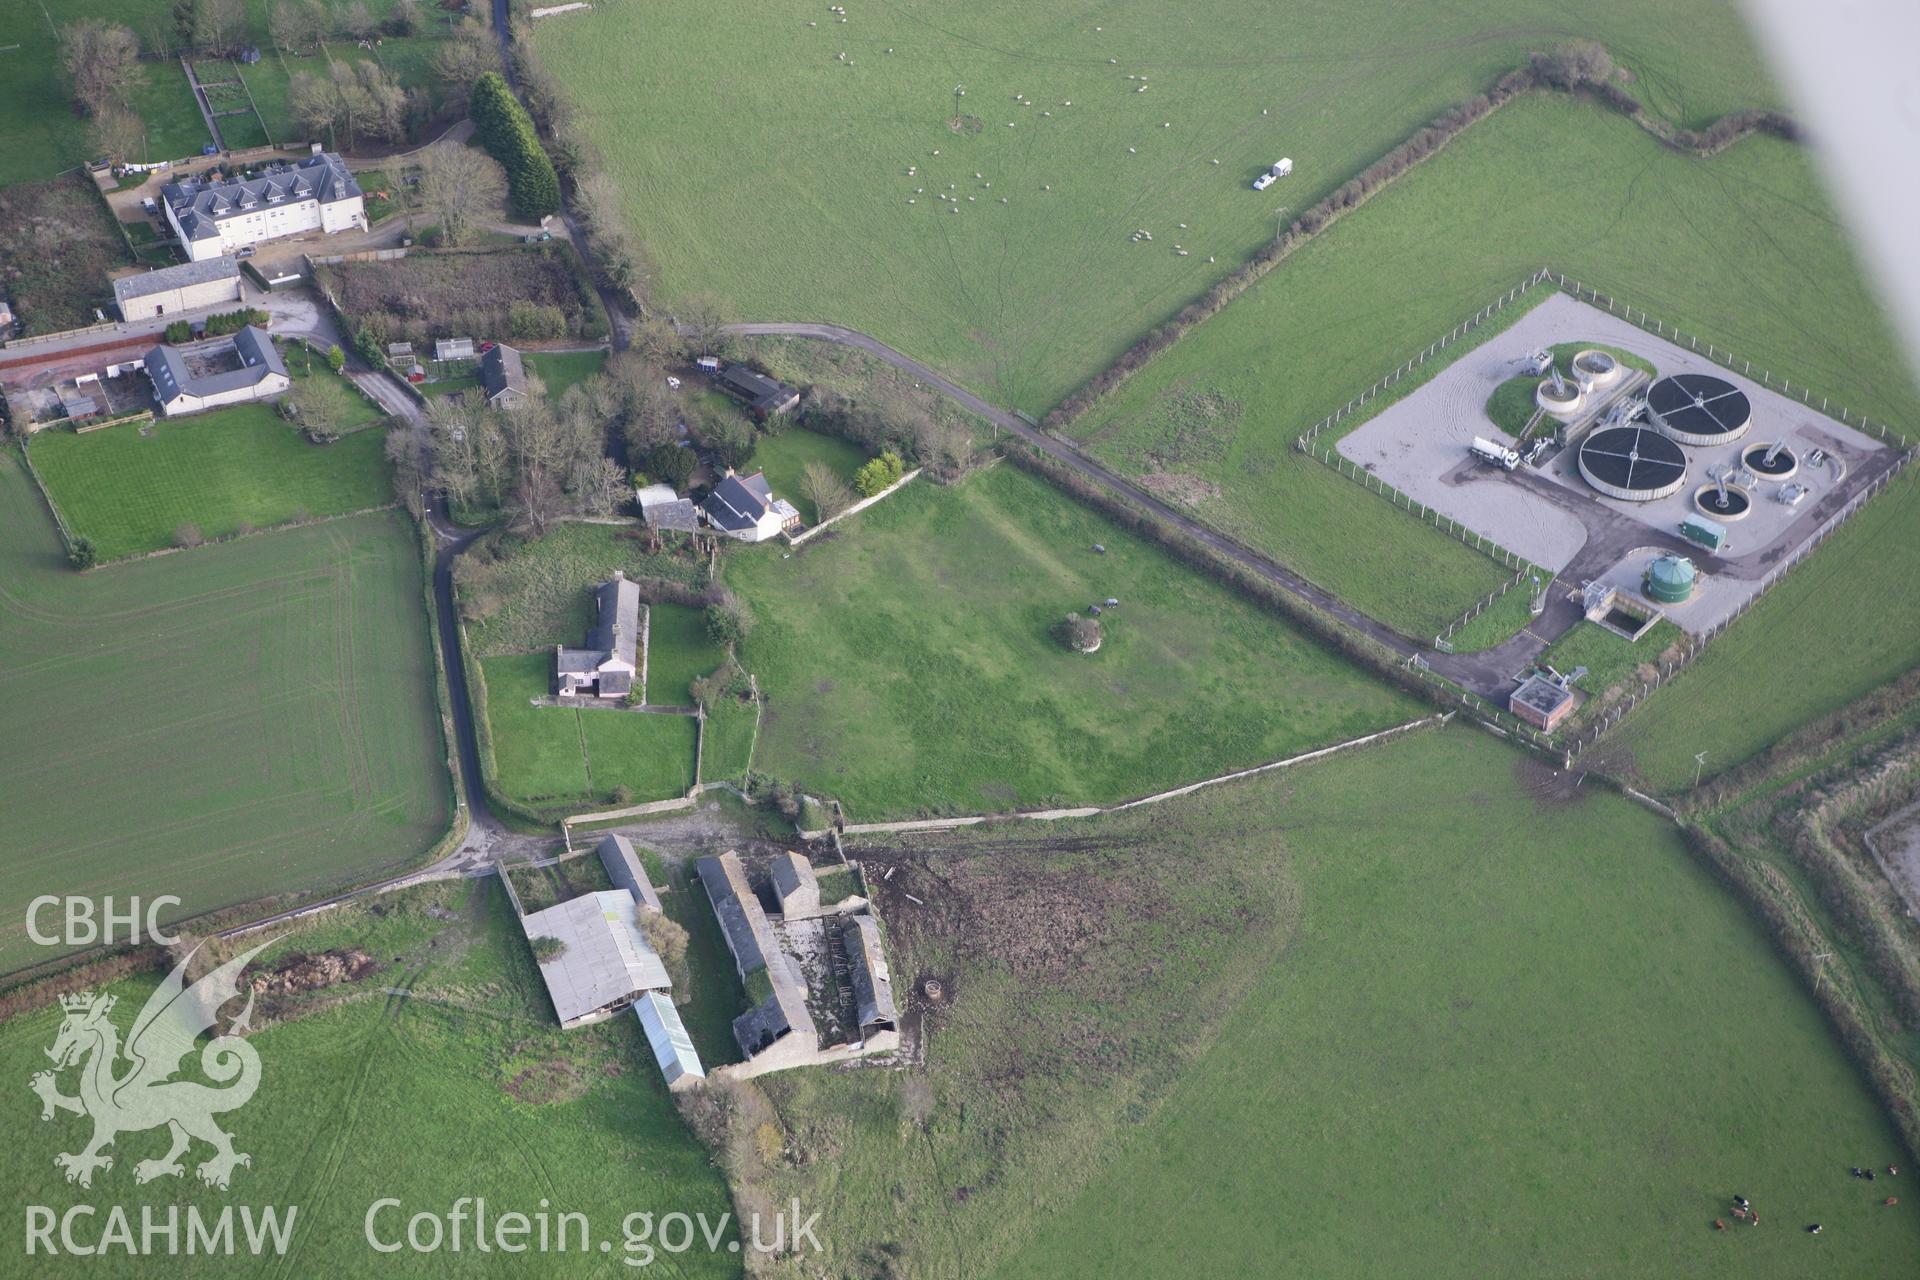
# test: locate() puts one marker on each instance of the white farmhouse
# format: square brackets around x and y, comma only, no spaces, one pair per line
[744,507]
[314,194]
[209,374]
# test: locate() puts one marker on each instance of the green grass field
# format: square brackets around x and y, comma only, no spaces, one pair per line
[1398,1013]
[784,457]
[679,651]
[252,719]
[131,487]
[561,758]
[909,666]
[1741,249]
[563,369]
[1844,622]
[727,749]
[1024,300]
[459,1085]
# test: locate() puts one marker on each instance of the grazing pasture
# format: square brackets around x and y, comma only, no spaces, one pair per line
[135,487]
[458,1083]
[830,128]
[1740,249]
[1414,986]
[249,720]
[909,667]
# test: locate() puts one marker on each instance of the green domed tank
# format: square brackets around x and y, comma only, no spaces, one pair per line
[1670,580]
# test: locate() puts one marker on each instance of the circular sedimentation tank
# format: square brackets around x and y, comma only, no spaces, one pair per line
[1737,502]
[1784,462]
[1562,400]
[1700,409]
[1634,463]
[1670,580]
[1596,370]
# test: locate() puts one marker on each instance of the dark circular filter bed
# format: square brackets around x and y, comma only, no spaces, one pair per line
[1635,463]
[1700,408]
[1735,504]
[1784,462]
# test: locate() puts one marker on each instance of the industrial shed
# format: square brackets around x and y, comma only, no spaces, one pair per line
[605,962]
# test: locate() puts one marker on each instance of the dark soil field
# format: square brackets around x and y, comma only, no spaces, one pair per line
[57,244]
[439,295]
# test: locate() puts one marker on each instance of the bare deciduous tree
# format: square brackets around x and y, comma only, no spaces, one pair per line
[298,24]
[469,54]
[460,186]
[356,20]
[101,59]
[704,320]
[116,135]
[829,494]
[220,25]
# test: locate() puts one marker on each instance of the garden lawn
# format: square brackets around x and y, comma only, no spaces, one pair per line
[131,487]
[561,370]
[784,457]
[1026,299]
[1741,249]
[248,720]
[910,669]
[679,651]
[1413,994]
[561,758]
[461,1085]
[1844,622]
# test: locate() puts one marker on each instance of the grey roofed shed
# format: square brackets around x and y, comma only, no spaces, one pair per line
[166,279]
[867,969]
[680,515]
[672,1047]
[626,870]
[604,962]
[749,936]
[795,883]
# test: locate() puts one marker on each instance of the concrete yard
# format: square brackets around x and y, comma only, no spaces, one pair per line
[1553,517]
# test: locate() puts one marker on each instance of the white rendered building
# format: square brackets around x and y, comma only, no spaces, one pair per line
[214,218]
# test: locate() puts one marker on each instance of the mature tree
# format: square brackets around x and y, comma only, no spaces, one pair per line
[657,340]
[1576,63]
[386,102]
[314,106]
[729,621]
[649,413]
[731,437]
[878,474]
[158,33]
[607,486]
[116,135]
[463,58]
[298,24]
[540,445]
[356,20]
[456,448]
[823,487]
[460,187]
[220,25]
[404,20]
[670,465]
[101,59]
[704,320]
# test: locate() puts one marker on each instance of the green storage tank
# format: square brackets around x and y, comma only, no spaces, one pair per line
[1670,580]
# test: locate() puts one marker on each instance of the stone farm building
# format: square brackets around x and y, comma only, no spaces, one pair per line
[503,374]
[191,286]
[215,218]
[744,507]
[220,371]
[610,664]
[778,1030]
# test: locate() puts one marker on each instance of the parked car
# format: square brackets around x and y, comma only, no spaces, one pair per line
[244,251]
[1262,182]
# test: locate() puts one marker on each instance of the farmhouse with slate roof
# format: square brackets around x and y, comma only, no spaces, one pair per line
[314,194]
[744,507]
[221,371]
[503,374]
[610,663]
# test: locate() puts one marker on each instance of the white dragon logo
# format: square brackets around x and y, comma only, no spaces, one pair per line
[145,1096]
